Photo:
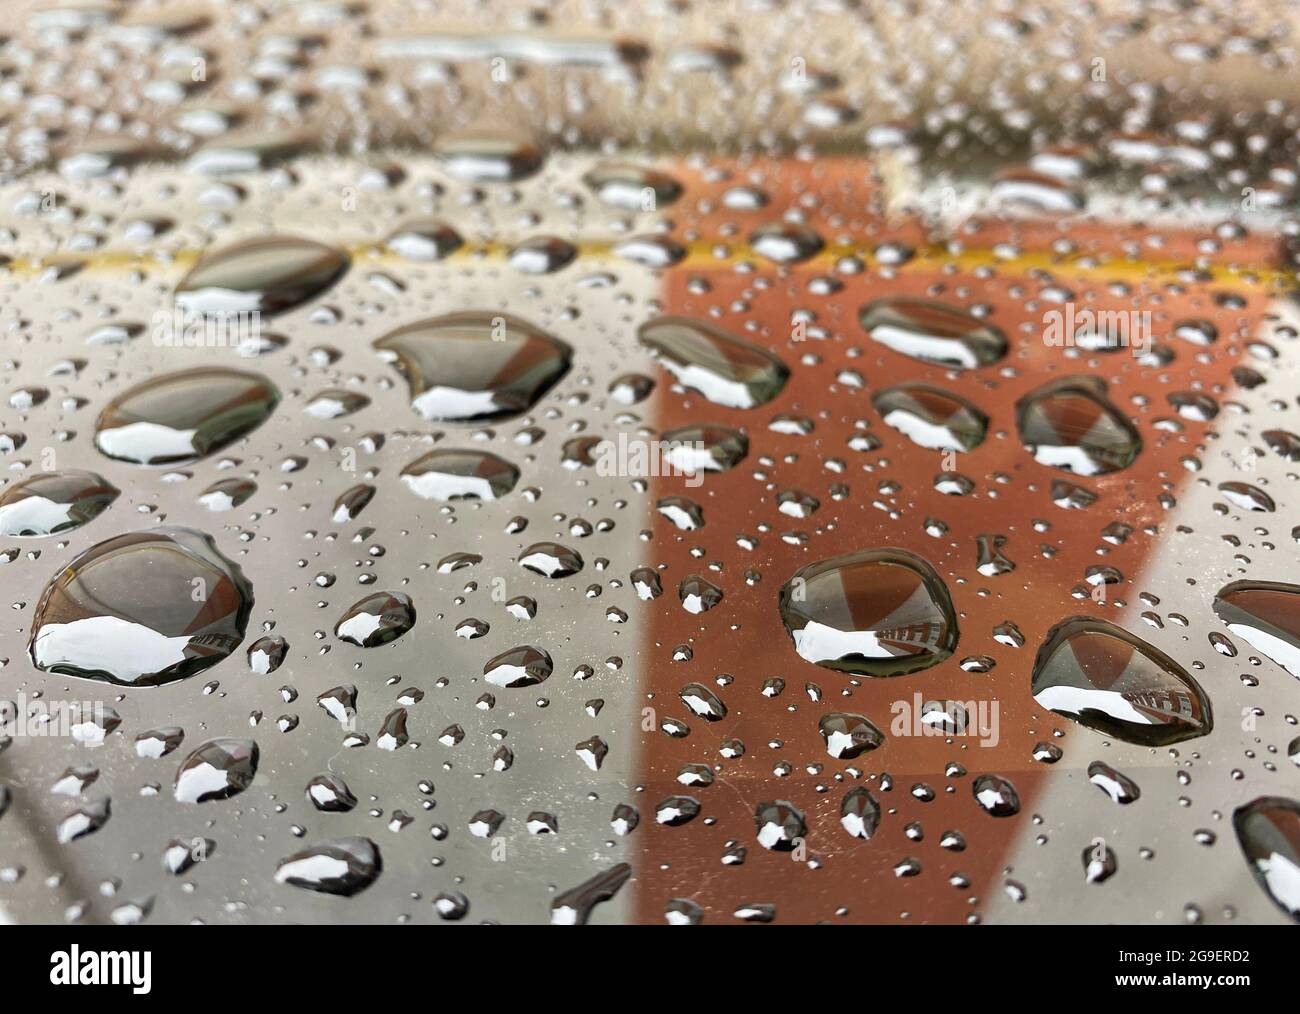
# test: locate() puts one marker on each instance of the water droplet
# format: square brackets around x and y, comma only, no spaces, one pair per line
[519,667]
[1109,680]
[881,612]
[424,239]
[475,366]
[340,866]
[142,609]
[632,187]
[54,502]
[859,813]
[550,559]
[694,449]
[217,769]
[460,475]
[933,332]
[931,417]
[1268,830]
[725,369]
[847,735]
[1070,424]
[488,158]
[376,619]
[1265,614]
[181,417]
[996,796]
[780,825]
[268,274]
[573,907]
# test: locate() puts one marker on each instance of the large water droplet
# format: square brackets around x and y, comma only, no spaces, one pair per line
[471,366]
[519,667]
[181,417]
[342,866]
[780,825]
[1265,614]
[725,369]
[1070,424]
[931,417]
[424,239]
[1109,680]
[996,796]
[488,158]
[54,502]
[376,619]
[142,609]
[933,332]
[859,813]
[878,612]
[632,187]
[707,448]
[269,274]
[460,475]
[1268,830]
[217,769]
[847,735]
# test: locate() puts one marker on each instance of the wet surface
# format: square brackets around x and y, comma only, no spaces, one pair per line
[637,535]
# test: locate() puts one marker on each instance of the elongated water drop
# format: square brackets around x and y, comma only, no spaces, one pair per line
[475,366]
[181,417]
[269,274]
[1103,677]
[54,502]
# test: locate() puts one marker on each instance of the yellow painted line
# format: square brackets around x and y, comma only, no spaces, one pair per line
[712,255]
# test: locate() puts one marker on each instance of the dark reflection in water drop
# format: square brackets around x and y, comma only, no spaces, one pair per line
[931,417]
[1265,614]
[573,907]
[376,619]
[54,502]
[475,366]
[933,332]
[488,157]
[460,475]
[181,417]
[143,609]
[879,612]
[341,866]
[519,667]
[217,769]
[1268,830]
[1070,424]
[859,813]
[1103,677]
[424,239]
[996,796]
[725,369]
[269,274]
[632,187]
[695,449]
